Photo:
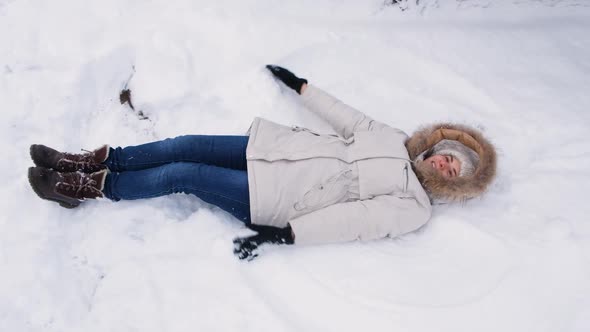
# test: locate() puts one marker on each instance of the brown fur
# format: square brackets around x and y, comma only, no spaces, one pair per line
[459,188]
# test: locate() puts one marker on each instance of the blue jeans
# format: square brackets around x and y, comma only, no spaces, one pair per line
[212,168]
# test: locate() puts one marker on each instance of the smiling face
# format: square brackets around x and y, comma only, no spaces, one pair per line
[447,166]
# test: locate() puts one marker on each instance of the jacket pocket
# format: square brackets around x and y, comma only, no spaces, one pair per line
[341,139]
[331,191]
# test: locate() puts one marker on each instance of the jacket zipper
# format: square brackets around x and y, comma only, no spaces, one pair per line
[406,174]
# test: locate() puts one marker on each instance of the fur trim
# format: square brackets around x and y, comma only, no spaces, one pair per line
[459,188]
[102,153]
[100,177]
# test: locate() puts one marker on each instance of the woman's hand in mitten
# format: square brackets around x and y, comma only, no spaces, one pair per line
[247,247]
[287,77]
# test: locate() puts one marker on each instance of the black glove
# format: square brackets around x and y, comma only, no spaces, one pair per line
[287,77]
[247,247]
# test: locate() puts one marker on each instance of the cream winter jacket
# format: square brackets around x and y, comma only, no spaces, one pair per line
[358,184]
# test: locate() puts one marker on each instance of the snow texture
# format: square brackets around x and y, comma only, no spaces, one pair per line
[518,259]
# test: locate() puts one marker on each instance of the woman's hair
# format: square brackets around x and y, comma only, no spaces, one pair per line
[427,154]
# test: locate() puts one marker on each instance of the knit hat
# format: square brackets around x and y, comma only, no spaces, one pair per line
[468,158]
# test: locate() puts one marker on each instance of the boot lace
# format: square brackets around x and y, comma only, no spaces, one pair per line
[85,162]
[79,186]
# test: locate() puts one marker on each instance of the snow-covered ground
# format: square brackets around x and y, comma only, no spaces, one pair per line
[517,259]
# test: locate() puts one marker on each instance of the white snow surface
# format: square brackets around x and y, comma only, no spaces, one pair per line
[518,259]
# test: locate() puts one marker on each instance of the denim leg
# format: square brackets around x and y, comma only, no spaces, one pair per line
[223,187]
[222,151]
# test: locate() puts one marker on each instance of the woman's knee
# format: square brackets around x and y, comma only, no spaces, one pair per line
[179,174]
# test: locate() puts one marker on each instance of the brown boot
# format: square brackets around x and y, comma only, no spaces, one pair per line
[88,162]
[67,189]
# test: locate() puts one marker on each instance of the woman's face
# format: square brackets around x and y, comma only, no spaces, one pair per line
[447,166]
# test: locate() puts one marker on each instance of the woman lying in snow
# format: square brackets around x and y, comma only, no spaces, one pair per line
[290,184]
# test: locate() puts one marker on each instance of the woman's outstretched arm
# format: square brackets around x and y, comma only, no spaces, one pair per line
[344,119]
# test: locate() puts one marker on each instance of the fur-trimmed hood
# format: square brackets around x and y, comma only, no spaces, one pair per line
[459,188]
